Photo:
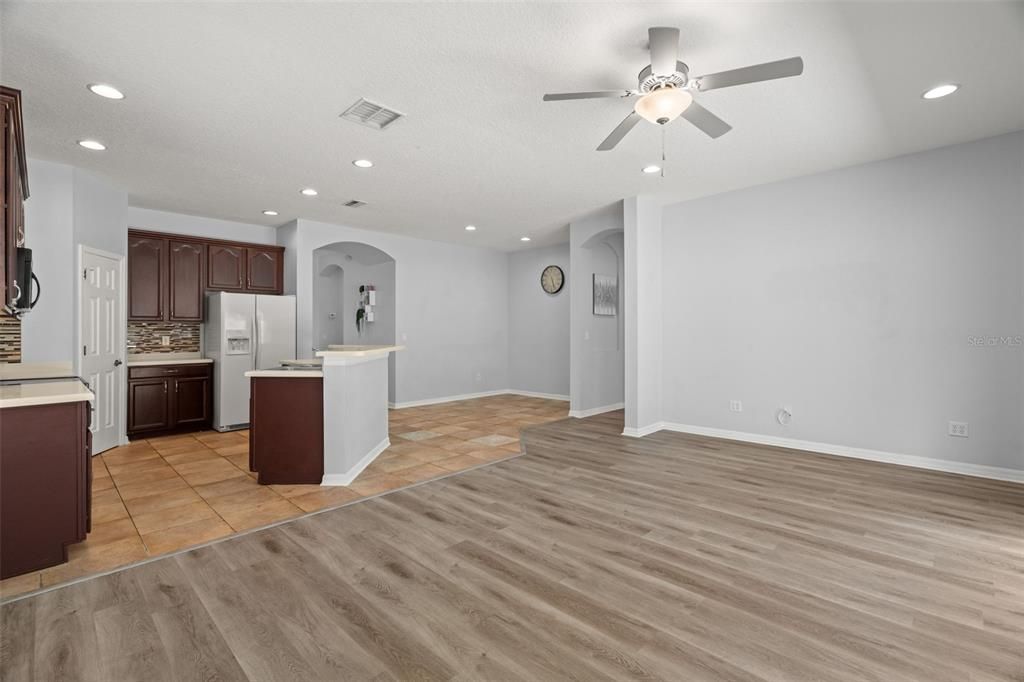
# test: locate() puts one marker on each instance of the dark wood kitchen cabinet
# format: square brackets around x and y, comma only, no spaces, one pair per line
[226,267]
[13,193]
[186,261]
[45,484]
[147,278]
[286,429]
[169,275]
[264,270]
[169,399]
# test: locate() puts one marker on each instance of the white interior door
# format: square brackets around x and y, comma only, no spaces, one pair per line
[101,328]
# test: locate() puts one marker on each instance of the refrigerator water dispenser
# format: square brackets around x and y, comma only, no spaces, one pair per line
[238,344]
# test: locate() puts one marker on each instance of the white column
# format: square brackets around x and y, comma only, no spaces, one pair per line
[355,414]
[643,266]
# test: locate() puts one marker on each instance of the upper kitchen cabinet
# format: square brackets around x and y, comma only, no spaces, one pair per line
[226,267]
[186,260]
[14,192]
[265,269]
[168,275]
[147,277]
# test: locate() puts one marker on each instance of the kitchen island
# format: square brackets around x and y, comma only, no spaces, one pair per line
[353,420]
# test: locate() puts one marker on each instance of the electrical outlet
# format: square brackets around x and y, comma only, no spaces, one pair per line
[165,340]
[735,406]
[958,429]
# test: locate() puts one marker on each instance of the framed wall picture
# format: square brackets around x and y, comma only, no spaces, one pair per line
[606,295]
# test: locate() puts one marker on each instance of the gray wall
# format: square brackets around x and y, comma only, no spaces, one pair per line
[67,207]
[538,327]
[597,343]
[46,332]
[180,223]
[451,308]
[853,297]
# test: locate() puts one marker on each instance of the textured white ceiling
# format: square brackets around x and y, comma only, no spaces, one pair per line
[233,107]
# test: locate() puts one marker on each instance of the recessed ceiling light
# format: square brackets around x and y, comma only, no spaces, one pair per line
[270,213]
[94,145]
[652,169]
[941,91]
[309,192]
[524,239]
[470,228]
[363,163]
[104,90]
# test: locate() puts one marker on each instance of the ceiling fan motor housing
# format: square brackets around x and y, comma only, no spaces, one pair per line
[647,81]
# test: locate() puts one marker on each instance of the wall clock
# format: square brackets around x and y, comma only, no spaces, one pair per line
[552,279]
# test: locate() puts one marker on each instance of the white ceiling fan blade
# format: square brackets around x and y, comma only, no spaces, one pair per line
[784,68]
[707,122]
[664,50]
[619,132]
[587,95]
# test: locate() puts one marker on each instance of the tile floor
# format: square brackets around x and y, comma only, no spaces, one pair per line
[164,494]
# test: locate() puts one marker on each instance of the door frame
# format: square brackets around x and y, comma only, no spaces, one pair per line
[120,331]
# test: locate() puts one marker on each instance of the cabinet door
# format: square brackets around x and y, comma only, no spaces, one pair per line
[148,405]
[185,280]
[9,198]
[147,277]
[225,267]
[264,270]
[191,400]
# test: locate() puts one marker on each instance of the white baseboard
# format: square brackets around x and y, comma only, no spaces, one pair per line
[445,399]
[535,394]
[580,414]
[471,396]
[348,477]
[643,430]
[916,461]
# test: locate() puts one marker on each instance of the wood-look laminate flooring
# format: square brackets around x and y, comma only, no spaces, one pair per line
[591,557]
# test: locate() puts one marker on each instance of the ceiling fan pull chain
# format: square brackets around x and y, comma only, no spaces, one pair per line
[662,151]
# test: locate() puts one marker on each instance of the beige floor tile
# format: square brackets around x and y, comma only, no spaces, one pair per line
[202,473]
[162,501]
[130,492]
[374,485]
[262,514]
[422,472]
[118,456]
[187,535]
[492,454]
[289,491]
[458,463]
[151,475]
[84,559]
[419,435]
[110,531]
[495,440]
[20,584]
[449,428]
[100,484]
[234,449]
[326,496]
[201,454]
[178,515]
[250,497]
[240,483]
[427,455]
[105,512]
[241,461]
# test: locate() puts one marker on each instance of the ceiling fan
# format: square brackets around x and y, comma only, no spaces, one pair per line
[666,90]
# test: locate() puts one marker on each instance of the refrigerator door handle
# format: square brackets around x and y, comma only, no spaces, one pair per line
[256,334]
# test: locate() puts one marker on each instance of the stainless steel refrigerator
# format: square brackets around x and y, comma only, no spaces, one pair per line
[244,332]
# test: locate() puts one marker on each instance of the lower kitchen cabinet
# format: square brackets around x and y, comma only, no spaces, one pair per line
[169,399]
[45,484]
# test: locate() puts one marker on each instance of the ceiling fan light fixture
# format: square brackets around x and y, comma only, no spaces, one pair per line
[663,105]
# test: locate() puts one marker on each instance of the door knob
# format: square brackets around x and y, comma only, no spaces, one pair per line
[117,363]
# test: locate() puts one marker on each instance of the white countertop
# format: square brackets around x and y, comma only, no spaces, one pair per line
[314,362]
[286,373]
[43,393]
[334,351]
[154,359]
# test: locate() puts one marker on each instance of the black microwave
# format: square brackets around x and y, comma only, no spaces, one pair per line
[23,299]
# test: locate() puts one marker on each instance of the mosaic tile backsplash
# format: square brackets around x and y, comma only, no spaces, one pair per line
[10,339]
[145,337]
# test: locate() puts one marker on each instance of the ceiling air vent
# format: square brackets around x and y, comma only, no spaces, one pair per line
[355,203]
[371,114]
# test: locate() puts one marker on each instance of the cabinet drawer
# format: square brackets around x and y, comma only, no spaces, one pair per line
[158,371]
